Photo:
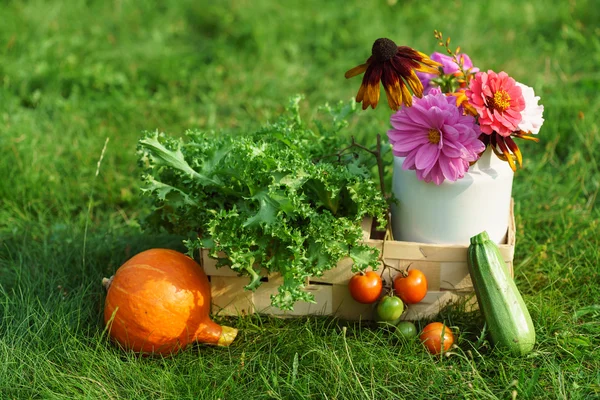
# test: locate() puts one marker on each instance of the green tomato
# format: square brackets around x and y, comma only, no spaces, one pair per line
[407,329]
[390,308]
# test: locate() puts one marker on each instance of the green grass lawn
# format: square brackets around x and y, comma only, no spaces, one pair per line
[76,73]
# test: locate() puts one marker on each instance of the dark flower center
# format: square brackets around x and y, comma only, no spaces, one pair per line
[384,49]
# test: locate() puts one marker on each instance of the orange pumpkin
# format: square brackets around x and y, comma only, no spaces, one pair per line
[159,302]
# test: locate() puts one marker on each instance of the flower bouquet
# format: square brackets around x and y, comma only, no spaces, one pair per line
[454,126]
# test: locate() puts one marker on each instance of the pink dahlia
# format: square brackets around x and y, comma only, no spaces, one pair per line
[498,101]
[437,140]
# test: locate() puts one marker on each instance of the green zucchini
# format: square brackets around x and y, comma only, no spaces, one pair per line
[503,309]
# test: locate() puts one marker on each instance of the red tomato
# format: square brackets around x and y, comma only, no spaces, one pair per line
[435,336]
[365,288]
[411,288]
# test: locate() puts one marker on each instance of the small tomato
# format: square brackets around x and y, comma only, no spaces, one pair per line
[436,336]
[411,288]
[407,329]
[390,308]
[365,288]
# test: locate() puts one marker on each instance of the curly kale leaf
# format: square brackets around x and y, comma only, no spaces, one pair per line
[270,200]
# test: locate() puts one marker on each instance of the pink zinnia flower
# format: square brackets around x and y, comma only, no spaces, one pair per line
[437,140]
[498,101]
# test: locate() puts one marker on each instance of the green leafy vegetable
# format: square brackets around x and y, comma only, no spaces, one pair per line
[284,198]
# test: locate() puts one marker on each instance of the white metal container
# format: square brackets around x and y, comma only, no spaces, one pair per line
[453,212]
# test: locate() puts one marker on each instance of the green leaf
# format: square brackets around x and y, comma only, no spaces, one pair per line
[176,196]
[254,278]
[174,159]
[355,167]
[323,197]
[293,181]
[579,341]
[591,309]
[317,256]
[363,256]
[267,213]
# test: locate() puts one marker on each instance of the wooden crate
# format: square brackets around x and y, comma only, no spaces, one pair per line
[445,267]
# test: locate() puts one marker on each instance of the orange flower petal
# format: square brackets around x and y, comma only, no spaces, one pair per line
[527,136]
[415,84]
[391,98]
[361,93]
[368,94]
[462,100]
[359,69]
[393,92]
[373,91]
[514,149]
[428,65]
[427,69]
[406,96]
[509,156]
[499,154]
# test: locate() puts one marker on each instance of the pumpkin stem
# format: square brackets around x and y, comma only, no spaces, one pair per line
[210,332]
[228,334]
[107,281]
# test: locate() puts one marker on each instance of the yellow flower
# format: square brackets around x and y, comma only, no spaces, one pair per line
[395,67]
[462,100]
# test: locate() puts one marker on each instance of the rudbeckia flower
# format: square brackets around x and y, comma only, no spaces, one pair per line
[395,67]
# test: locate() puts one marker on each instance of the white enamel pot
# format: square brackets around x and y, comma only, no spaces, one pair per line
[453,212]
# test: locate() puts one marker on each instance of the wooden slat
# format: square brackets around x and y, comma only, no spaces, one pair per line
[229,296]
[433,302]
[455,276]
[323,298]
[431,252]
[338,275]
[507,252]
[366,225]
[345,307]
[512,227]
[509,265]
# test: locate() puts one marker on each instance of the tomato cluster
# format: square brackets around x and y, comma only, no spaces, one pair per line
[408,287]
